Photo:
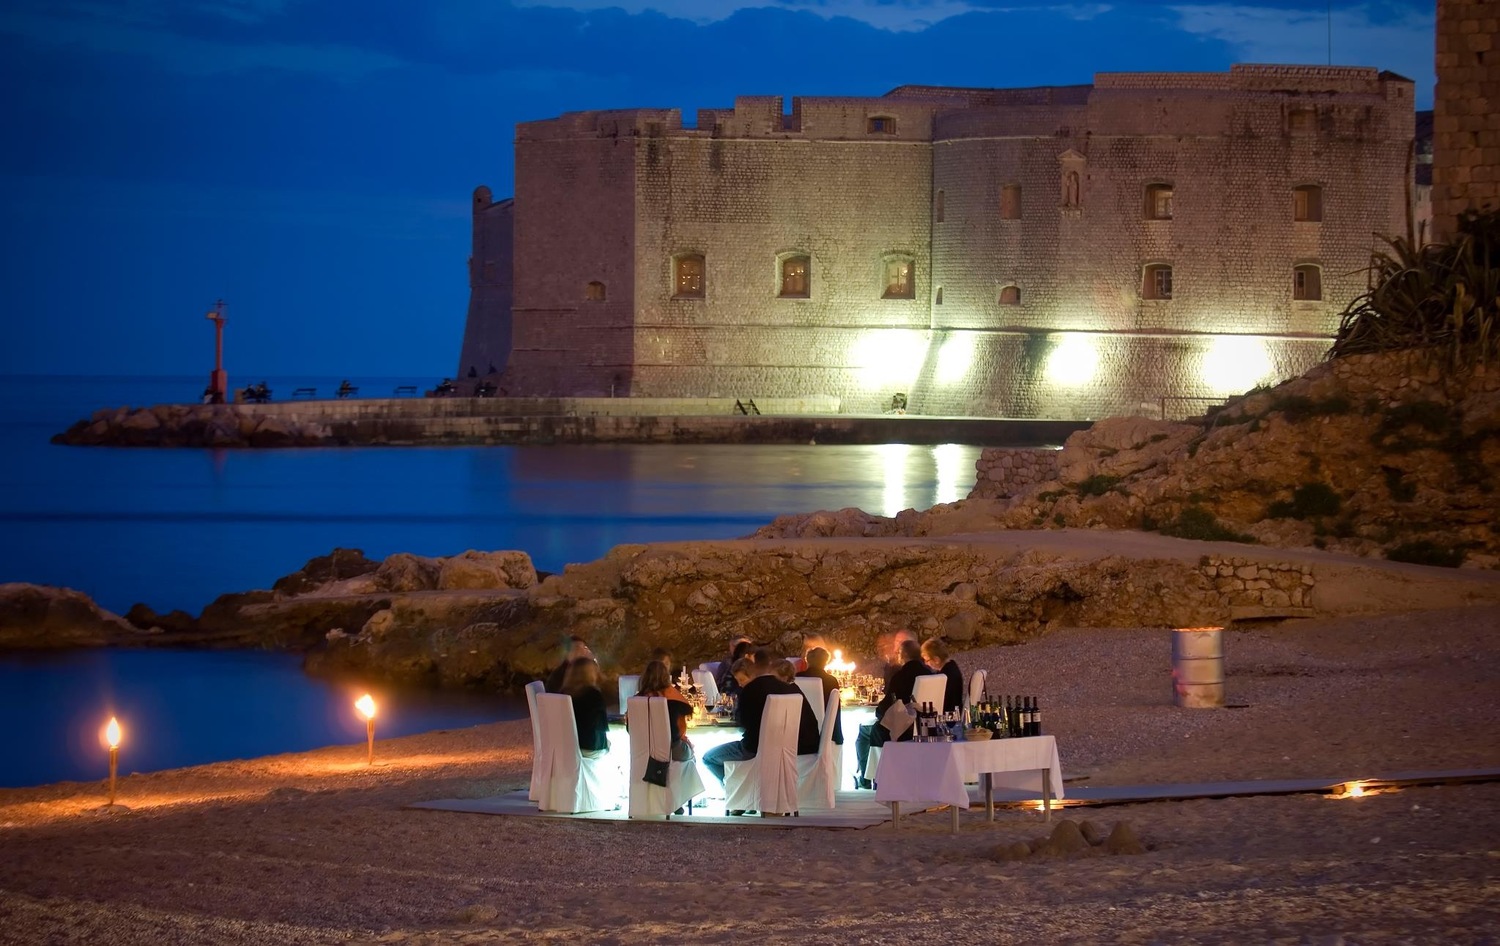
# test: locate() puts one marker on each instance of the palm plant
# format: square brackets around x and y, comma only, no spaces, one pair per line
[1442,295]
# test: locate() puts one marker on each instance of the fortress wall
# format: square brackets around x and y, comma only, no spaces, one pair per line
[574,226]
[1466,112]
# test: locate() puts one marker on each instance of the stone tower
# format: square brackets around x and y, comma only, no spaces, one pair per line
[1466,119]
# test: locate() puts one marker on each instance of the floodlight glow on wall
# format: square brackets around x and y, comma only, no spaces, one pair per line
[1235,363]
[888,359]
[955,358]
[1074,360]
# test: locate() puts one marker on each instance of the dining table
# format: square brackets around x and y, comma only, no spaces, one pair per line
[938,773]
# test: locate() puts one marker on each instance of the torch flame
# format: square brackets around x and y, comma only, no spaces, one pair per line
[366,706]
[838,664]
[112,733]
[1354,789]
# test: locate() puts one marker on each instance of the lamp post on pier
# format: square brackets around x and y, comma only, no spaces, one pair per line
[218,381]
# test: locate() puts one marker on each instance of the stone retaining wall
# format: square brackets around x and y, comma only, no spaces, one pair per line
[1006,471]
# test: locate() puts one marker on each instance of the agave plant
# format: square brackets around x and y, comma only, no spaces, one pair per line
[1438,295]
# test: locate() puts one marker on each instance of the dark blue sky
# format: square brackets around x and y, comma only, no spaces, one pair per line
[311,160]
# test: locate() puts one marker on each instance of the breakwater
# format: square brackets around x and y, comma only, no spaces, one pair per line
[539,421]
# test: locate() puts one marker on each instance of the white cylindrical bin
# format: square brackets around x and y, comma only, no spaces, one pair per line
[1198,667]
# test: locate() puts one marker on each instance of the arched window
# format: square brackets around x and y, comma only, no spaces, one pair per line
[1158,201]
[937,208]
[1307,283]
[688,273]
[1307,203]
[1156,281]
[796,277]
[594,292]
[1010,202]
[1010,295]
[900,278]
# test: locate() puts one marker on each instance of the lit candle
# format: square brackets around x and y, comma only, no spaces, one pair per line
[366,707]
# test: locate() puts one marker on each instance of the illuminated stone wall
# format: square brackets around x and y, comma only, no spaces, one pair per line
[1466,111]
[613,197]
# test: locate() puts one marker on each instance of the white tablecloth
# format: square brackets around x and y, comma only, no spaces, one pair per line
[935,772]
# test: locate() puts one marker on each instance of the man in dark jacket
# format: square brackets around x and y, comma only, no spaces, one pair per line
[935,656]
[899,688]
[817,666]
[757,682]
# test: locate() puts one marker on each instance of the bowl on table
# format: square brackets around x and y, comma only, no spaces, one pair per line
[977,735]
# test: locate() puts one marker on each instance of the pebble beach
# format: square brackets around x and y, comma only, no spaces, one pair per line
[318,847]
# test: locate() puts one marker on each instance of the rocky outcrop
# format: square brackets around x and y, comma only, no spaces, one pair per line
[195,425]
[41,617]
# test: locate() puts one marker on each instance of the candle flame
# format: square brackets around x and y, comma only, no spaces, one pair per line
[112,733]
[839,665]
[366,706]
[1354,790]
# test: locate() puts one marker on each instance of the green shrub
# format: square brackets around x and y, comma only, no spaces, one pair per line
[1097,485]
[1427,552]
[1195,522]
[1308,500]
[1396,484]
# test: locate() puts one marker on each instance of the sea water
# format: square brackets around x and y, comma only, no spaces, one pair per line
[176,527]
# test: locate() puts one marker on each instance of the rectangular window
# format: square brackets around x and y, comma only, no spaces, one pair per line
[1010,202]
[688,278]
[795,277]
[1307,203]
[1307,284]
[1159,202]
[1158,282]
[881,125]
[900,279]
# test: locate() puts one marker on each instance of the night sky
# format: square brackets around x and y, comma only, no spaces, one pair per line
[311,161]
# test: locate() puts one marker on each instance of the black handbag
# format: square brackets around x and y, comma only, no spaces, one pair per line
[656,769]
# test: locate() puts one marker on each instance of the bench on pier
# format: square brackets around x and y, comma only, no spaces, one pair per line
[406,390]
[305,392]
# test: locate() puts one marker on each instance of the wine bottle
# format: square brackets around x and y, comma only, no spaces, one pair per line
[1036,717]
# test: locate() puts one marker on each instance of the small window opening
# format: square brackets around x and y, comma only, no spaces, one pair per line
[937,207]
[1010,202]
[687,277]
[1307,203]
[1159,202]
[594,292]
[796,277]
[880,125]
[1010,295]
[1157,283]
[1307,284]
[900,279]
[937,297]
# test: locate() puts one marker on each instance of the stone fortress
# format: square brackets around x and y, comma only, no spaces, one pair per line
[1147,244]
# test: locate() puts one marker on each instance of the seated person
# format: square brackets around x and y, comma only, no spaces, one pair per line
[817,666]
[935,656]
[572,649]
[784,670]
[724,677]
[665,656]
[589,712]
[757,682]
[900,688]
[656,682]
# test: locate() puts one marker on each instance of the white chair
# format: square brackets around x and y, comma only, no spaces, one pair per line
[532,689]
[569,781]
[651,734]
[629,684]
[818,775]
[930,688]
[705,681]
[977,681]
[812,688]
[767,783]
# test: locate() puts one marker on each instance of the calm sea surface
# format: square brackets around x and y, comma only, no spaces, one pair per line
[175,528]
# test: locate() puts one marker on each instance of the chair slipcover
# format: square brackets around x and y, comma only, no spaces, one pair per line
[977,682]
[768,782]
[569,780]
[532,689]
[653,735]
[930,688]
[812,688]
[705,681]
[629,684]
[818,775]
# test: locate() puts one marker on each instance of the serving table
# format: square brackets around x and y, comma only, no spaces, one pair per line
[935,772]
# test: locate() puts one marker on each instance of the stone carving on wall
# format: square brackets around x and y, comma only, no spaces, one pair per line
[1072,181]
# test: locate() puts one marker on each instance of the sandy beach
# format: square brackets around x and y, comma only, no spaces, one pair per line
[318,848]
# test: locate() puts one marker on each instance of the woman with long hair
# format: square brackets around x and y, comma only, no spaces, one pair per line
[656,680]
[581,682]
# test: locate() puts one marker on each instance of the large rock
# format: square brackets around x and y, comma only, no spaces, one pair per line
[35,617]
[338,565]
[486,570]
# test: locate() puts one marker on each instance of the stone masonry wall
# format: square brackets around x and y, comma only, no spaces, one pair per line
[1466,111]
[1005,471]
[614,197]
[488,330]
